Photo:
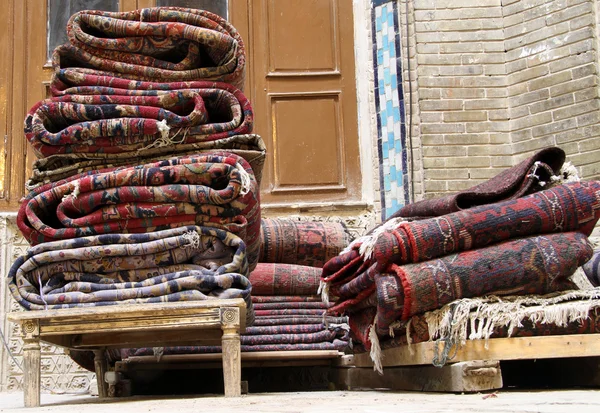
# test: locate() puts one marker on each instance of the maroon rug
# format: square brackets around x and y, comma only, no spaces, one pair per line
[570,207]
[209,190]
[535,265]
[284,279]
[301,242]
[527,177]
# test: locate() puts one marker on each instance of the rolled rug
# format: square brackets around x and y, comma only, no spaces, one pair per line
[178,264]
[162,44]
[56,167]
[528,266]
[569,207]
[284,279]
[289,241]
[592,268]
[527,177]
[120,120]
[208,190]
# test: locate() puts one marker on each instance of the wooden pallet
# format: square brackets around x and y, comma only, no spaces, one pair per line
[475,366]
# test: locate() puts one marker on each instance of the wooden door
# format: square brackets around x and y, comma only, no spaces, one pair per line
[300,80]
[301,55]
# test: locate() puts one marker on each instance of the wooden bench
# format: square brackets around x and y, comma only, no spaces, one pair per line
[210,322]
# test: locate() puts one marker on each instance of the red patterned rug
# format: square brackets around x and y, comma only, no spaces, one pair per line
[308,243]
[200,46]
[284,279]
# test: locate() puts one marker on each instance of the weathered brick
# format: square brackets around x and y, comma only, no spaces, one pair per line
[527,98]
[484,173]
[583,71]
[586,158]
[498,115]
[528,74]
[452,104]
[570,87]
[462,93]
[577,109]
[467,139]
[522,28]
[590,171]
[550,80]
[481,150]
[461,70]
[554,127]
[589,145]
[585,94]
[499,138]
[570,13]
[443,128]
[432,117]
[479,127]
[445,150]
[534,144]
[501,161]
[469,161]
[553,103]
[446,174]
[439,59]
[430,140]
[590,118]
[494,70]
[434,163]
[465,116]
[578,134]
[469,59]
[533,120]
[485,104]
[571,61]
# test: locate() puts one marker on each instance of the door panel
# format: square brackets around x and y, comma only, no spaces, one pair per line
[304,99]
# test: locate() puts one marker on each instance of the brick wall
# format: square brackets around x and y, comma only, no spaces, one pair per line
[498,79]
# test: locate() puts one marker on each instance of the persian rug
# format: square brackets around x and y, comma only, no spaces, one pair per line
[161,44]
[112,120]
[56,167]
[178,264]
[592,268]
[482,318]
[351,275]
[308,243]
[529,176]
[272,332]
[208,190]
[528,266]
[284,279]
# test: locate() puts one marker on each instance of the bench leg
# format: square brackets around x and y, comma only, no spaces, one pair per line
[230,345]
[100,365]
[31,364]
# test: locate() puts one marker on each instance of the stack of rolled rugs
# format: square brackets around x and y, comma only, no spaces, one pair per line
[289,314]
[497,256]
[146,187]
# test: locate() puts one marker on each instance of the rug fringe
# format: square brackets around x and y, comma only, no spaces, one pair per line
[375,353]
[483,315]
[323,291]
[369,241]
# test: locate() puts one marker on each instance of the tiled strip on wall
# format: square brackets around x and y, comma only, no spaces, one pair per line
[389,103]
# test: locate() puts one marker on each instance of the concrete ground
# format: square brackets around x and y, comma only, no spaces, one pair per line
[555,401]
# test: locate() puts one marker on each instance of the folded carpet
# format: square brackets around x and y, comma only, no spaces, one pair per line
[111,120]
[209,190]
[308,243]
[284,279]
[178,264]
[567,312]
[272,332]
[529,176]
[158,44]
[534,265]
[56,167]
[569,207]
